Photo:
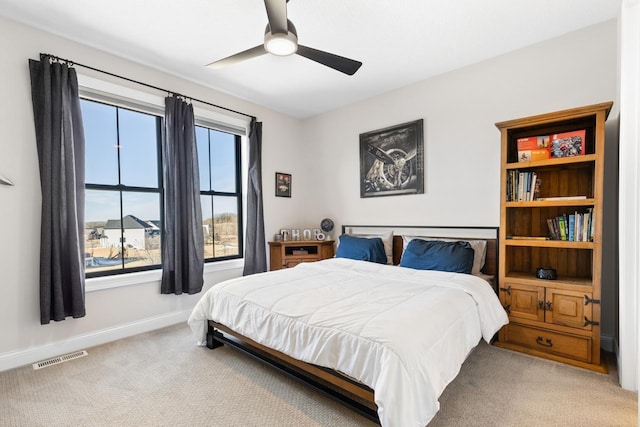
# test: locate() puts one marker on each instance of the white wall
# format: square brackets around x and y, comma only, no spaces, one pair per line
[461,142]
[111,313]
[629,358]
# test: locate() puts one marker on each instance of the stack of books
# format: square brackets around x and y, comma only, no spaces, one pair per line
[575,227]
[522,186]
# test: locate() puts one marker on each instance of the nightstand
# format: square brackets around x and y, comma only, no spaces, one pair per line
[291,253]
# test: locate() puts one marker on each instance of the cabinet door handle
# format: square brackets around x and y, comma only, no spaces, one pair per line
[549,306]
[507,290]
[588,300]
[590,322]
[546,343]
[540,305]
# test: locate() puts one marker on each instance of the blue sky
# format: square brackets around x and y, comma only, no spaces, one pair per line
[138,163]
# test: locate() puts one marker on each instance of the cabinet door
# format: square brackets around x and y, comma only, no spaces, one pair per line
[568,308]
[523,301]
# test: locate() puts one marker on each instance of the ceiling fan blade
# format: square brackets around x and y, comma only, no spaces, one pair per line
[339,63]
[238,57]
[277,13]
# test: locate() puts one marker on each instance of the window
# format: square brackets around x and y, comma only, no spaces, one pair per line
[220,193]
[123,187]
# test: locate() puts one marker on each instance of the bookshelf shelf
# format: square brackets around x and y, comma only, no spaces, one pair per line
[564,282]
[545,316]
[564,161]
[549,243]
[546,203]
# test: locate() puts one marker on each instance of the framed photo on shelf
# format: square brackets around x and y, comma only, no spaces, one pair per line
[392,160]
[283,184]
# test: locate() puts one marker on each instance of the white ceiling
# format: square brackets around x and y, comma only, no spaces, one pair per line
[399,42]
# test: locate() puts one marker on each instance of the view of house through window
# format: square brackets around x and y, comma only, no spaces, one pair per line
[124,186]
[122,206]
[219,163]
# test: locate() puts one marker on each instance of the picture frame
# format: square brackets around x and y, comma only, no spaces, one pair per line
[283,184]
[392,160]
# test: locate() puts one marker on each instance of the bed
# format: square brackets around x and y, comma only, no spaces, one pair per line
[383,337]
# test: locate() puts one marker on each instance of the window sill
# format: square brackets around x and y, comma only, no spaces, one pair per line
[152,276]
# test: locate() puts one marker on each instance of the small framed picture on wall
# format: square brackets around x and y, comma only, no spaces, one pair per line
[283,184]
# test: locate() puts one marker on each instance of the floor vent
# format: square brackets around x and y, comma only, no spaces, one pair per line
[59,359]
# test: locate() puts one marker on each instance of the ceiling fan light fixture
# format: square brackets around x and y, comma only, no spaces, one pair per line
[281,44]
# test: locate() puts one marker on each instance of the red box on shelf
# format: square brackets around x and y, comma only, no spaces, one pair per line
[568,144]
[533,148]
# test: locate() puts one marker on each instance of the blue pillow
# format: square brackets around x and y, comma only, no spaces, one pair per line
[456,257]
[362,248]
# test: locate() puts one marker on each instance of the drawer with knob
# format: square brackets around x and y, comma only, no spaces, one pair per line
[572,346]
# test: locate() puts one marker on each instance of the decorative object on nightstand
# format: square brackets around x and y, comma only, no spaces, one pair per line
[326,225]
[316,234]
[289,254]
[554,312]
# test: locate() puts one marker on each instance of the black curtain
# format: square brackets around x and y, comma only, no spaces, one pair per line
[183,239]
[255,257]
[60,141]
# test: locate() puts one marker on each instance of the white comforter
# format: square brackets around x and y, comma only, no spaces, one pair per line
[405,333]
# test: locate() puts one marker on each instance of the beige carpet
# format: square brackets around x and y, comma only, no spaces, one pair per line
[162,379]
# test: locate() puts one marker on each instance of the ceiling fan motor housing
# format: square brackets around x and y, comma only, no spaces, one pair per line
[281,44]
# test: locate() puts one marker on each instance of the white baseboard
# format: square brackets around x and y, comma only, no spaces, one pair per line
[15,359]
[607,343]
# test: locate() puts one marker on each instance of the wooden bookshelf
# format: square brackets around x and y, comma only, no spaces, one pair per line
[556,319]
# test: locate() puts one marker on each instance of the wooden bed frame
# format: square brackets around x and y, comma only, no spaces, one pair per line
[350,393]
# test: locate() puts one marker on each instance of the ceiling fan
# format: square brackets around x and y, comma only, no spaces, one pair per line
[281,38]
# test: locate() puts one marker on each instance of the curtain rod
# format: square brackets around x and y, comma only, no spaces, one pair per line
[71,63]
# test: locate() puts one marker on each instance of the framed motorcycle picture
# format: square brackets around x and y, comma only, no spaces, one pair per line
[392,160]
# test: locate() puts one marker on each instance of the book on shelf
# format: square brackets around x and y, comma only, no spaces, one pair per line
[571,225]
[568,144]
[527,238]
[550,199]
[537,182]
[521,187]
[562,227]
[552,230]
[533,148]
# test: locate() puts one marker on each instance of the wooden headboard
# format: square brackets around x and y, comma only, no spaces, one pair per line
[490,234]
